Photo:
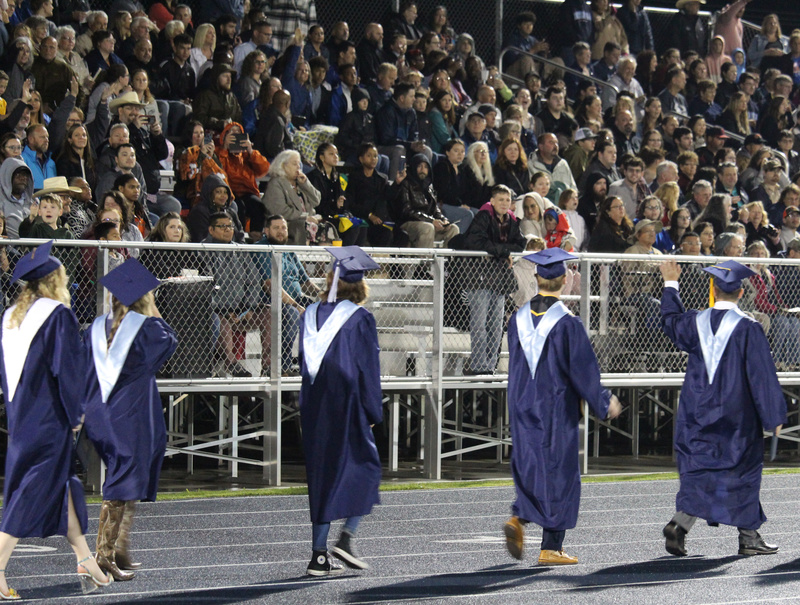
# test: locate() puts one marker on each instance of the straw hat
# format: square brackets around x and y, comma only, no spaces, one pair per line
[56,184]
[129,98]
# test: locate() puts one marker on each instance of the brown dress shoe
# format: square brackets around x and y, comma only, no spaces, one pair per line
[515,537]
[556,557]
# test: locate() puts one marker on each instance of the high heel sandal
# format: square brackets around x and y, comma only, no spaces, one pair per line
[88,582]
[12,595]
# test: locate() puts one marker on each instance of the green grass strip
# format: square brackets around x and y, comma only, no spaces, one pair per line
[421,485]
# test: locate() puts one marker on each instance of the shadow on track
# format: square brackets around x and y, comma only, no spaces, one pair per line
[481,582]
[785,572]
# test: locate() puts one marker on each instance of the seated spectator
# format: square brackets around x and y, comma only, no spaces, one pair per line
[557,232]
[669,241]
[129,187]
[217,104]
[613,228]
[490,280]
[290,194]
[215,197]
[295,78]
[421,112]
[242,165]
[604,162]
[124,163]
[443,118]
[517,64]
[630,189]
[450,185]
[333,203]
[16,194]
[76,158]
[272,132]
[776,117]
[357,127]
[786,147]
[687,168]
[102,56]
[261,34]
[511,168]
[380,91]
[129,231]
[554,117]
[734,117]
[236,299]
[577,154]
[37,156]
[624,132]
[546,159]
[789,197]
[672,99]
[420,216]
[195,163]
[476,132]
[297,288]
[769,191]
[372,199]
[49,226]
[396,128]
[717,212]
[320,90]
[341,101]
[164,264]
[594,193]
[701,194]
[624,79]
[179,79]
[82,209]
[203,47]
[789,225]
[95,21]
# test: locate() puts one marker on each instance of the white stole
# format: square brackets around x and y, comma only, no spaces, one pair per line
[17,341]
[531,338]
[713,345]
[317,342]
[108,362]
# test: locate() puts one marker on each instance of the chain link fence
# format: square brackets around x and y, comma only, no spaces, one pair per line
[426,303]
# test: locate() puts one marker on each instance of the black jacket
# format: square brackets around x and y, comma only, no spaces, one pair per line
[372,194]
[448,185]
[357,127]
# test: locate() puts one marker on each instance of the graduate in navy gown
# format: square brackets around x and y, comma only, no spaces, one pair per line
[340,401]
[43,360]
[730,395]
[551,368]
[124,416]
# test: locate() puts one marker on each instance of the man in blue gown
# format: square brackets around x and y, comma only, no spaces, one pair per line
[730,395]
[552,367]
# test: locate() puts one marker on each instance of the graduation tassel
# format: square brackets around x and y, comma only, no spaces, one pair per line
[334,285]
[711,293]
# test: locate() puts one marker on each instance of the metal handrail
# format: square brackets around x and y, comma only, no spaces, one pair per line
[555,64]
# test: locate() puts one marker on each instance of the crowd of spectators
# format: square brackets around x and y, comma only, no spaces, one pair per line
[284,130]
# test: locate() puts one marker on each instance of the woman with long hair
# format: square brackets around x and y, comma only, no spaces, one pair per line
[697,124]
[325,179]
[43,361]
[450,185]
[717,212]
[777,117]
[668,240]
[438,23]
[202,53]
[10,146]
[121,27]
[651,119]
[646,63]
[442,114]
[248,85]
[76,158]
[759,228]
[589,109]
[768,42]
[707,235]
[734,117]
[698,71]
[478,175]
[613,228]
[124,419]
[140,83]
[37,115]
[511,167]
[669,194]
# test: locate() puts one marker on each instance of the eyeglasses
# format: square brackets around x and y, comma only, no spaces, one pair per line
[260,61]
[224,227]
[14,147]
[652,207]
[481,151]
[617,207]
[116,221]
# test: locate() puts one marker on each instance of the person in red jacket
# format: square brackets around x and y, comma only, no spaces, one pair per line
[243,165]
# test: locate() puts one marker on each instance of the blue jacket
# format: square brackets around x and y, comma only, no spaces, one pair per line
[395,126]
[301,97]
[39,171]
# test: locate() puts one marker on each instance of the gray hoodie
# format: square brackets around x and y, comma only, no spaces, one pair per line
[15,210]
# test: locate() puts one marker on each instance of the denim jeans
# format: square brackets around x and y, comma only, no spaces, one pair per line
[485,329]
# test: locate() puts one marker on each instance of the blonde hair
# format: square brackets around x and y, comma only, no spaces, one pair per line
[200,36]
[669,194]
[356,292]
[51,199]
[764,218]
[52,286]
[119,311]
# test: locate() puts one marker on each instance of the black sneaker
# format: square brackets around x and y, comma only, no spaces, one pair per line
[346,551]
[237,370]
[322,565]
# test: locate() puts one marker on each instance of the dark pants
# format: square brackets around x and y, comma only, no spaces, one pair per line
[553,539]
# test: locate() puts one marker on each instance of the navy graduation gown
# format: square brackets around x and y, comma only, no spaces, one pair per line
[544,412]
[342,463]
[46,405]
[719,443]
[128,431]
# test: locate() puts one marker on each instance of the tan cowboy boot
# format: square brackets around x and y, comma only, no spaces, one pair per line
[121,553]
[107,533]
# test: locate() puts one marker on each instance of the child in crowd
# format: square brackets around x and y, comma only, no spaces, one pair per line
[48,225]
[568,202]
[557,234]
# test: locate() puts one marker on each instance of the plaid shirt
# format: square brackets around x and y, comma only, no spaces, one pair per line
[287,15]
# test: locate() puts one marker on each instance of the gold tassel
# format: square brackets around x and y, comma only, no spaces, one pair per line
[711,293]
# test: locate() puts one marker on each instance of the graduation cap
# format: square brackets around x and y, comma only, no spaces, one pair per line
[130,281]
[349,265]
[551,262]
[36,264]
[728,276]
